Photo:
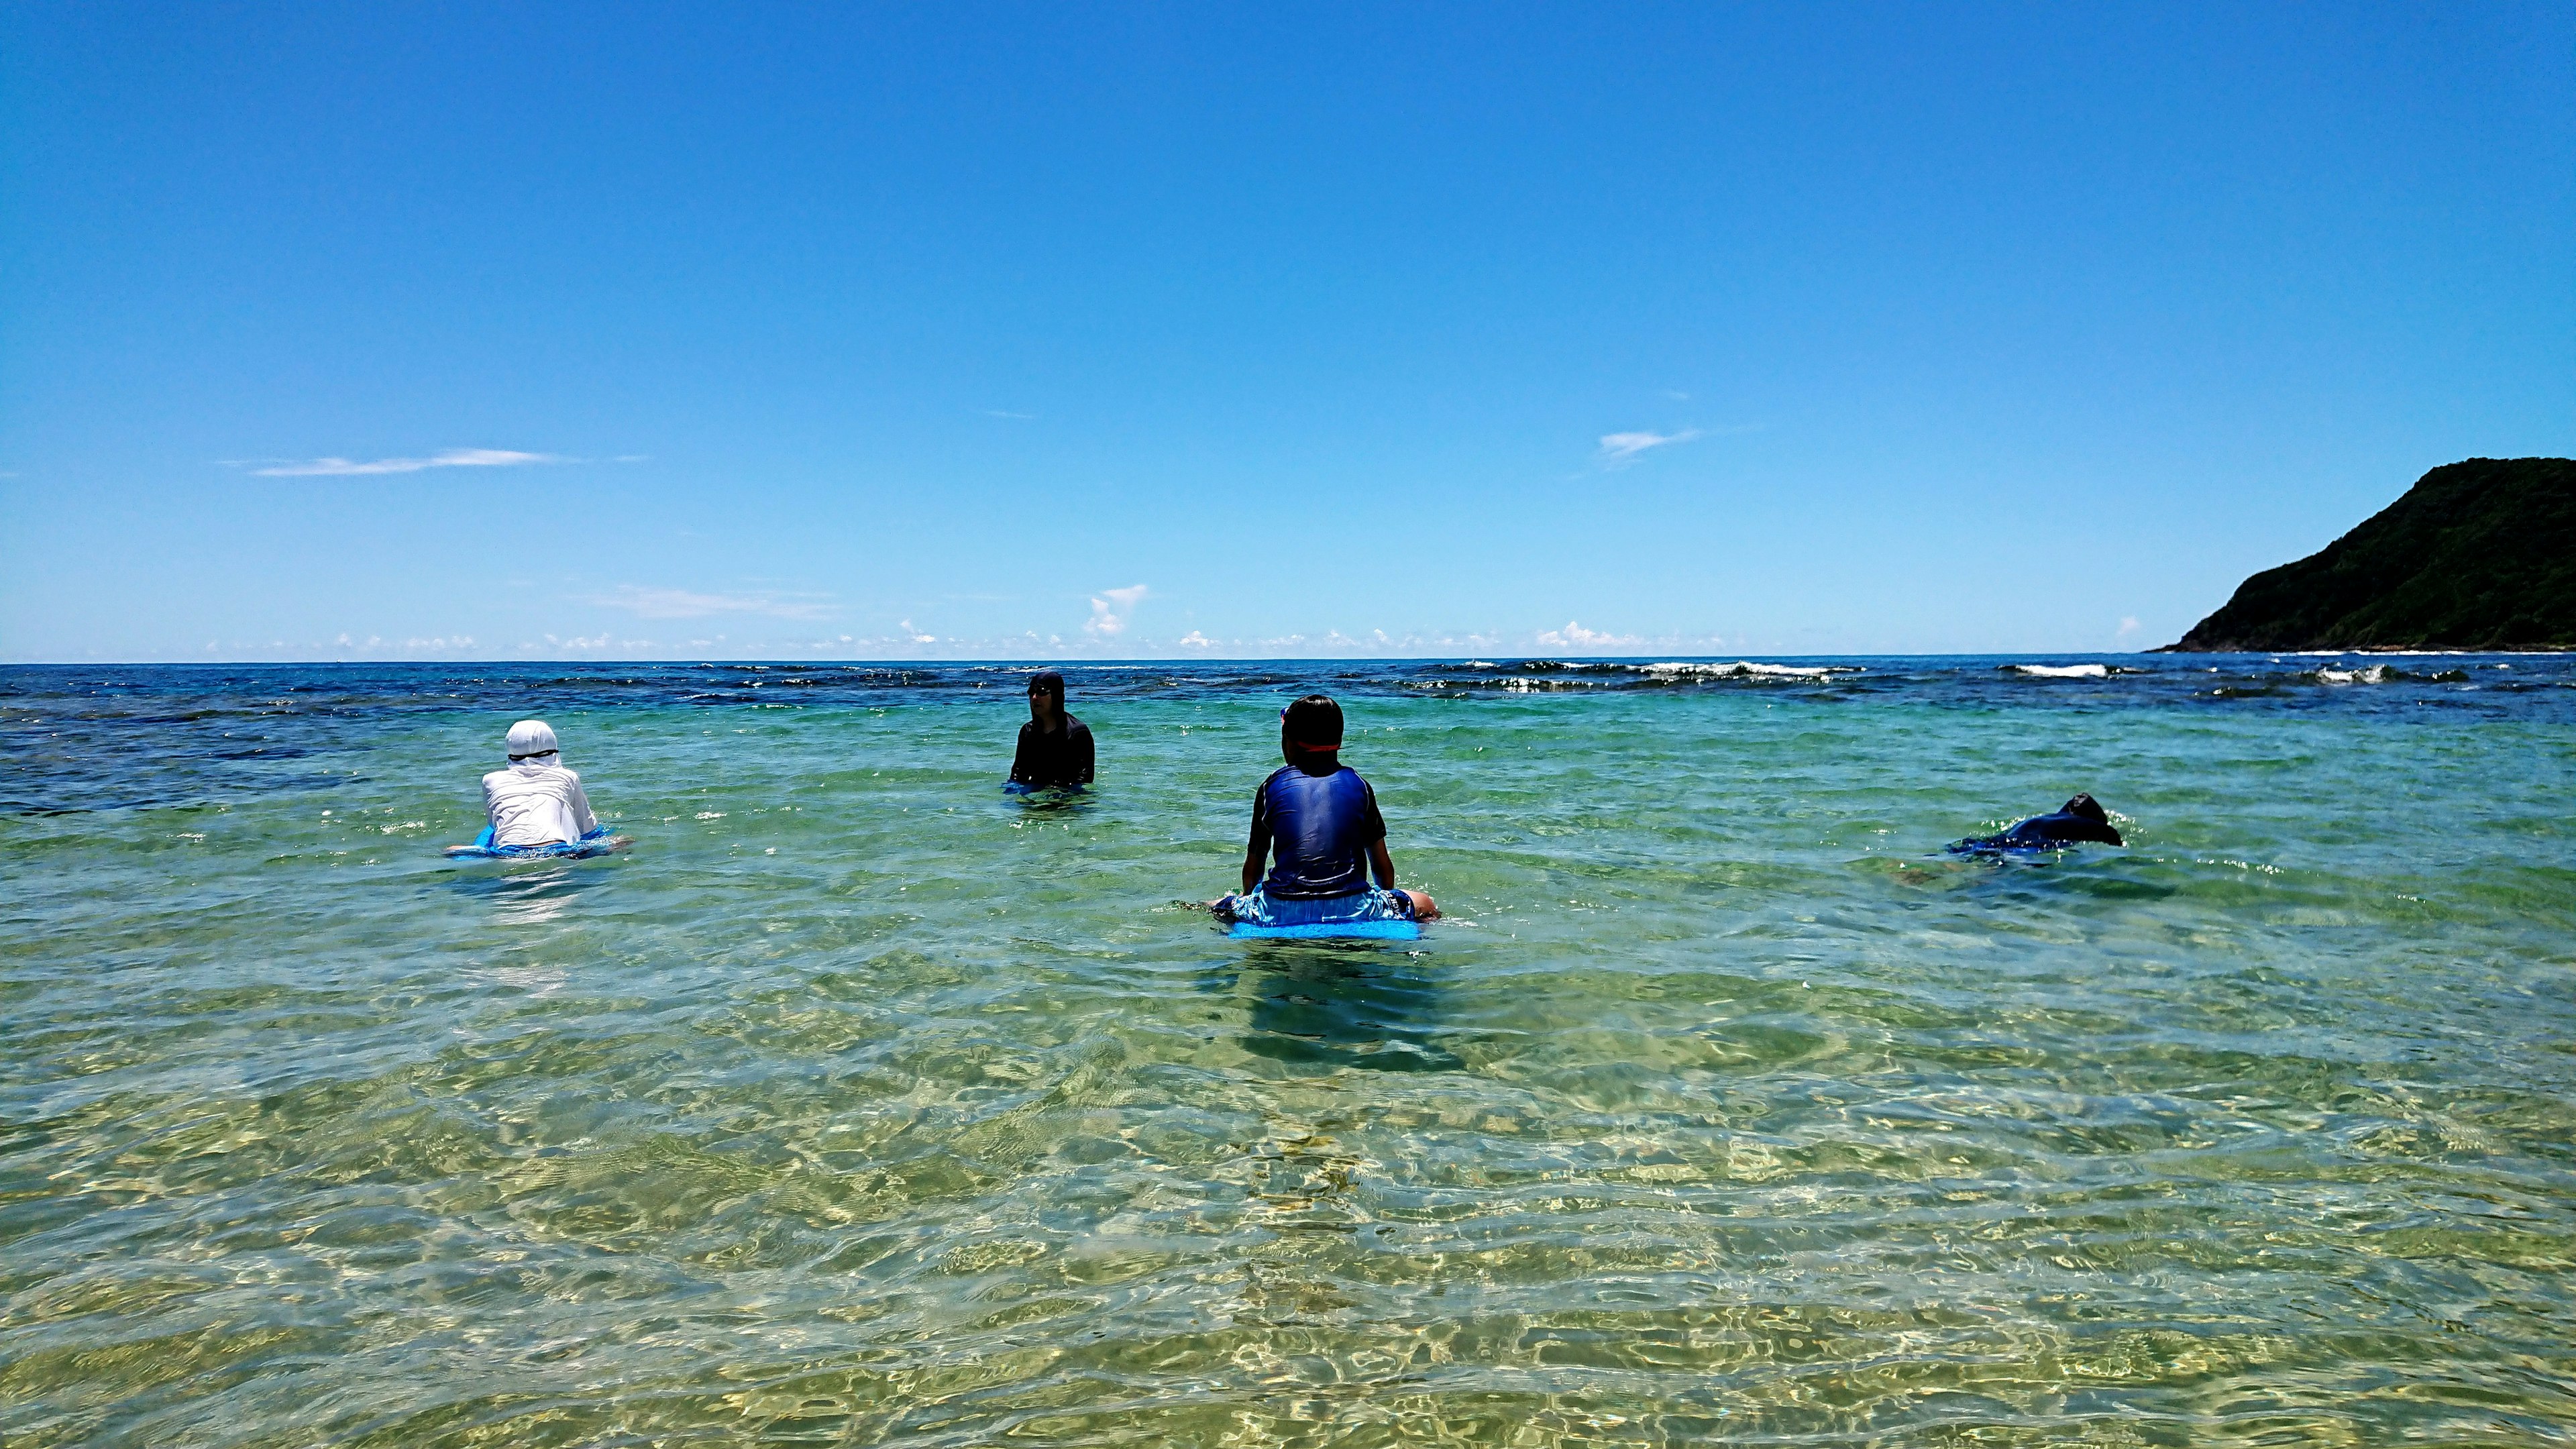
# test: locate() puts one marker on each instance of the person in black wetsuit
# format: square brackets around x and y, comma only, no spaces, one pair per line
[2081,819]
[1055,748]
[1320,821]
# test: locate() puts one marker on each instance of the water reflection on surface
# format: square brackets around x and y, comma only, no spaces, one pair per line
[859,1103]
[1327,1006]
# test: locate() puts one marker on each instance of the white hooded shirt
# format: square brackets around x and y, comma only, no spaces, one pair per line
[536,801]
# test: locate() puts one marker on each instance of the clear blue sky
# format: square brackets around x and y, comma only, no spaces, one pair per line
[883,332]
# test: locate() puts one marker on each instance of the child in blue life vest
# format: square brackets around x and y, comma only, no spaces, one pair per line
[1316,822]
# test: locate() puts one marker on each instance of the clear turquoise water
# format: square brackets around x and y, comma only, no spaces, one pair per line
[861,1104]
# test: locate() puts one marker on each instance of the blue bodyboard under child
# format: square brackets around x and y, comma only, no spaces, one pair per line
[595,843]
[1329,931]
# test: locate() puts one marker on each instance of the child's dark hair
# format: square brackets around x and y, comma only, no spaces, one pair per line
[1315,722]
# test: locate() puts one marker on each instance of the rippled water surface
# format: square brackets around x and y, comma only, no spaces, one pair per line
[859,1103]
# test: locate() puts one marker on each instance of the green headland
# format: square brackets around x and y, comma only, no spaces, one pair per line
[2479,554]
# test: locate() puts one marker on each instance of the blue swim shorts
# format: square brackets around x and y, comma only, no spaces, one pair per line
[1257,909]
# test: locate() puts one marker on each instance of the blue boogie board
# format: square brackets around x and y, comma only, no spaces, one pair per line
[597,842]
[1329,931]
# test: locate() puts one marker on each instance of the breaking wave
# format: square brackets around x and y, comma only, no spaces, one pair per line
[1547,675]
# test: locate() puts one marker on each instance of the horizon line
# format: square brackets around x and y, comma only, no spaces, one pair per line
[1033,661]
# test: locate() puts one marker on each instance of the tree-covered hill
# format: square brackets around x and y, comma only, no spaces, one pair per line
[2478,555]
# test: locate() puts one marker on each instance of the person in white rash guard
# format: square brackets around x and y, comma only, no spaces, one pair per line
[536,801]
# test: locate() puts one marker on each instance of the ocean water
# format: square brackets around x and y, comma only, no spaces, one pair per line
[859,1103]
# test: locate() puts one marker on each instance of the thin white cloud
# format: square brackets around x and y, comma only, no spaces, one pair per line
[647,603]
[1109,611]
[451,458]
[917,636]
[1575,636]
[1006,413]
[1620,449]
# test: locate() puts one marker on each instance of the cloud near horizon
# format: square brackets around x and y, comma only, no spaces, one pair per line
[647,603]
[1575,636]
[1109,611]
[1620,449]
[451,458]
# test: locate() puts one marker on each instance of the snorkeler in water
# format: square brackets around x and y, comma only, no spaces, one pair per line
[536,801]
[1317,823]
[2080,820]
[1055,748]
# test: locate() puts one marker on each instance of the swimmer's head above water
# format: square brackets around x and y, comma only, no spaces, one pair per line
[1046,699]
[532,741]
[1310,734]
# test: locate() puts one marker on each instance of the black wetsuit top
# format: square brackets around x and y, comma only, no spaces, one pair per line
[1047,760]
[2060,828]
[2070,823]
[1318,829]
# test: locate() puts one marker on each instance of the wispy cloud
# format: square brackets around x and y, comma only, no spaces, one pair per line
[452,458]
[1618,450]
[647,603]
[1109,611]
[1007,413]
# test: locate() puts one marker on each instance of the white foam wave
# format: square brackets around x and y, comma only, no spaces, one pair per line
[2062,671]
[1744,669]
[2374,674]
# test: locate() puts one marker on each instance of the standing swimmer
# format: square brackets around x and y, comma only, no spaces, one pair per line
[1320,819]
[536,801]
[1055,748]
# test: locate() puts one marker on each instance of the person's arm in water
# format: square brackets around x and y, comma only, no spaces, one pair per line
[1257,852]
[1255,856]
[1020,763]
[583,821]
[1382,865]
[1081,743]
[1374,823]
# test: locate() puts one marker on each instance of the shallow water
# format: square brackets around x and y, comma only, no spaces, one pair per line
[860,1103]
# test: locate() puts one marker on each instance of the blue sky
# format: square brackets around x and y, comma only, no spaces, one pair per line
[672,332]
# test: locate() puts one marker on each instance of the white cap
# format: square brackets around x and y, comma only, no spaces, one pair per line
[531,737]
